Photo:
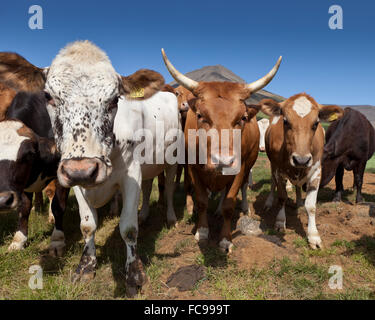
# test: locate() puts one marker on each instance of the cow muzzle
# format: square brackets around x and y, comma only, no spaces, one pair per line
[299,161]
[8,201]
[84,172]
[221,163]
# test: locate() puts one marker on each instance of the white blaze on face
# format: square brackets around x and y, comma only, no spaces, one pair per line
[10,140]
[263,125]
[302,106]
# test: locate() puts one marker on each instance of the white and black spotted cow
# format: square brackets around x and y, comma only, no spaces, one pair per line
[97,148]
[28,162]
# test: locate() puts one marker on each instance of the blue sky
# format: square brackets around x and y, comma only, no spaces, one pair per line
[334,66]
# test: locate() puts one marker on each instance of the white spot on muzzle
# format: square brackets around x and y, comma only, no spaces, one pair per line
[302,106]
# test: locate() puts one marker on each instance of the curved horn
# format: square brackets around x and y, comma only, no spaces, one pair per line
[178,76]
[262,82]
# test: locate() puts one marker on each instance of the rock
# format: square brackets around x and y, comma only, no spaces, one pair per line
[186,277]
[249,226]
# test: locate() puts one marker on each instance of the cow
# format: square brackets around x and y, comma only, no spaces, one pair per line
[184,98]
[16,75]
[28,162]
[95,113]
[218,106]
[350,142]
[294,145]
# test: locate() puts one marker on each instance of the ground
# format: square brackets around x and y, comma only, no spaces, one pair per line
[270,266]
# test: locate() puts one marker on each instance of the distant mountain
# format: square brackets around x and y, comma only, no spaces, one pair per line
[220,73]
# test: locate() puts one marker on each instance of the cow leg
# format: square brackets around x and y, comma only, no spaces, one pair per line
[189,192]
[20,237]
[339,186]
[310,205]
[178,174]
[38,202]
[299,201]
[280,224]
[130,190]
[161,187]
[59,201]
[146,192]
[271,195]
[358,178]
[251,179]
[114,209]
[169,189]
[244,203]
[220,205]
[50,193]
[89,222]
[201,202]
[229,203]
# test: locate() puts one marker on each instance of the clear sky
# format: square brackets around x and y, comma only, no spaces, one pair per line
[247,37]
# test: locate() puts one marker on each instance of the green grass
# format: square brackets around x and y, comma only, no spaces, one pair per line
[303,275]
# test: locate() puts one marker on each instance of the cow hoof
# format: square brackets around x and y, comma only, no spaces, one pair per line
[201,234]
[226,246]
[86,268]
[136,278]
[15,246]
[56,248]
[172,224]
[280,226]
[315,242]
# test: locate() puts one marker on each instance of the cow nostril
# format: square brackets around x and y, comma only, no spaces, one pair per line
[10,200]
[94,171]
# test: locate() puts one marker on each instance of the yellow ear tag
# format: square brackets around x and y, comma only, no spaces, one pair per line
[137,93]
[333,117]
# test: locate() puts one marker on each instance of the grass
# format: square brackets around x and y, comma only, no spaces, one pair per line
[303,275]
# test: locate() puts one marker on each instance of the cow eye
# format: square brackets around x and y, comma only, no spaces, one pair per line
[315,125]
[113,103]
[49,99]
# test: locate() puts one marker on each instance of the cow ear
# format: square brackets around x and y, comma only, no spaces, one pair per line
[47,150]
[270,107]
[252,110]
[142,84]
[330,113]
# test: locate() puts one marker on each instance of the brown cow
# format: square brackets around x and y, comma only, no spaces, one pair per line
[294,145]
[220,106]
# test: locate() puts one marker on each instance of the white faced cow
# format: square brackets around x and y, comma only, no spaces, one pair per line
[294,145]
[97,148]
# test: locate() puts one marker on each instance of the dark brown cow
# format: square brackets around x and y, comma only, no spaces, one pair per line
[294,145]
[220,106]
[17,74]
[350,142]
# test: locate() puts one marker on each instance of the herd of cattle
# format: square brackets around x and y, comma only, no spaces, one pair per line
[72,125]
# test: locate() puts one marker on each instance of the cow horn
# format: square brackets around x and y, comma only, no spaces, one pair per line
[262,82]
[178,76]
